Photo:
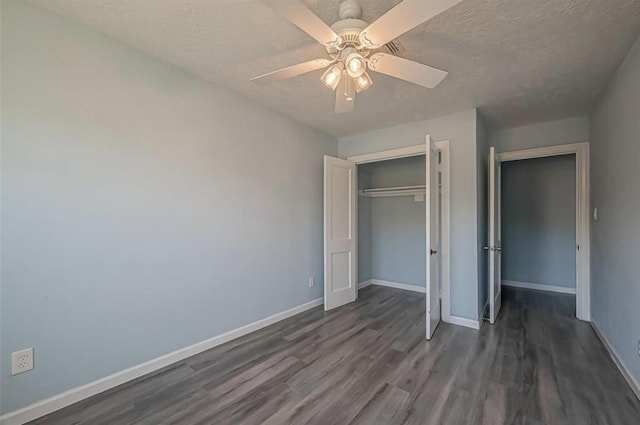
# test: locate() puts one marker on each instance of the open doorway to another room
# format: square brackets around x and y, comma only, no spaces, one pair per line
[538,226]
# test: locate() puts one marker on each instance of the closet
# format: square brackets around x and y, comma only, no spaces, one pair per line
[382,225]
[391,223]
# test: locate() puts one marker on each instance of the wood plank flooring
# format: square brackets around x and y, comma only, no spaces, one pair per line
[368,363]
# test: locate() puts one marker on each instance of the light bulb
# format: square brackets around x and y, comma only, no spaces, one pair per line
[331,77]
[356,65]
[363,82]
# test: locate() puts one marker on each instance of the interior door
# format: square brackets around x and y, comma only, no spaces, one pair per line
[432,207]
[495,247]
[340,261]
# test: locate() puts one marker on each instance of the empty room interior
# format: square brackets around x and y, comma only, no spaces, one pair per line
[349,212]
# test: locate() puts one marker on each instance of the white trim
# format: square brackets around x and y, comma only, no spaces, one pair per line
[543,152]
[49,405]
[390,154]
[539,287]
[628,376]
[364,284]
[583,254]
[398,285]
[462,321]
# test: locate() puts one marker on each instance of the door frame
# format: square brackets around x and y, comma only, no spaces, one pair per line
[583,240]
[445,208]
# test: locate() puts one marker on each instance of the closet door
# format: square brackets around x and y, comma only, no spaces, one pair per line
[432,207]
[495,248]
[340,261]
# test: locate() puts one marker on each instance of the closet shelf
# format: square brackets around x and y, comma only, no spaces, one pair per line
[393,191]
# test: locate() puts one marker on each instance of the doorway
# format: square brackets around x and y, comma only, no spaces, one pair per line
[539,224]
[580,154]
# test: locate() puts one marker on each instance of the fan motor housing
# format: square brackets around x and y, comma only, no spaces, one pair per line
[348,29]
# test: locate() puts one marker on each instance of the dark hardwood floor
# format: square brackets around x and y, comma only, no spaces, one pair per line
[368,363]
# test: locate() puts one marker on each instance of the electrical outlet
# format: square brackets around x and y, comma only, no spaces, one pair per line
[639,348]
[312,282]
[21,361]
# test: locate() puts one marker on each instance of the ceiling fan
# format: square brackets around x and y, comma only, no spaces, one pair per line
[354,46]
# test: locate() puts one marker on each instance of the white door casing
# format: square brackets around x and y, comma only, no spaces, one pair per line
[433,293]
[340,261]
[494,247]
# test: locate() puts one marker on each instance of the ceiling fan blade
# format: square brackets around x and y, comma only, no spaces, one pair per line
[292,71]
[405,16]
[306,20]
[407,70]
[342,104]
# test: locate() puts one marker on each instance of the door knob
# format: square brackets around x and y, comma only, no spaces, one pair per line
[433,252]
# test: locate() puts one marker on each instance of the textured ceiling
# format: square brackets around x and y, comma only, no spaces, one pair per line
[518,61]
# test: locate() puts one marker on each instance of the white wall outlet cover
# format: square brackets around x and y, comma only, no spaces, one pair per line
[595,214]
[312,282]
[21,361]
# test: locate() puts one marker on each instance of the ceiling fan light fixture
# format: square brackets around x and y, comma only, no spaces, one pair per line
[363,82]
[331,77]
[353,44]
[356,65]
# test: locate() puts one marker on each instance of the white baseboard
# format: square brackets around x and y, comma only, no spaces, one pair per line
[364,284]
[631,380]
[397,285]
[77,394]
[539,287]
[485,311]
[462,321]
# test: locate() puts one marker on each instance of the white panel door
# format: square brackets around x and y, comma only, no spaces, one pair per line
[432,207]
[495,247]
[340,262]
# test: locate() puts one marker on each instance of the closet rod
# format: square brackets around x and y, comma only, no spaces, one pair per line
[393,191]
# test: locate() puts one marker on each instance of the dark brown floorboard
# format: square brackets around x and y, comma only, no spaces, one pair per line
[368,363]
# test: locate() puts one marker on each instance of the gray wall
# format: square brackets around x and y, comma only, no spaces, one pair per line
[397,228]
[539,221]
[143,210]
[615,190]
[549,133]
[460,129]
